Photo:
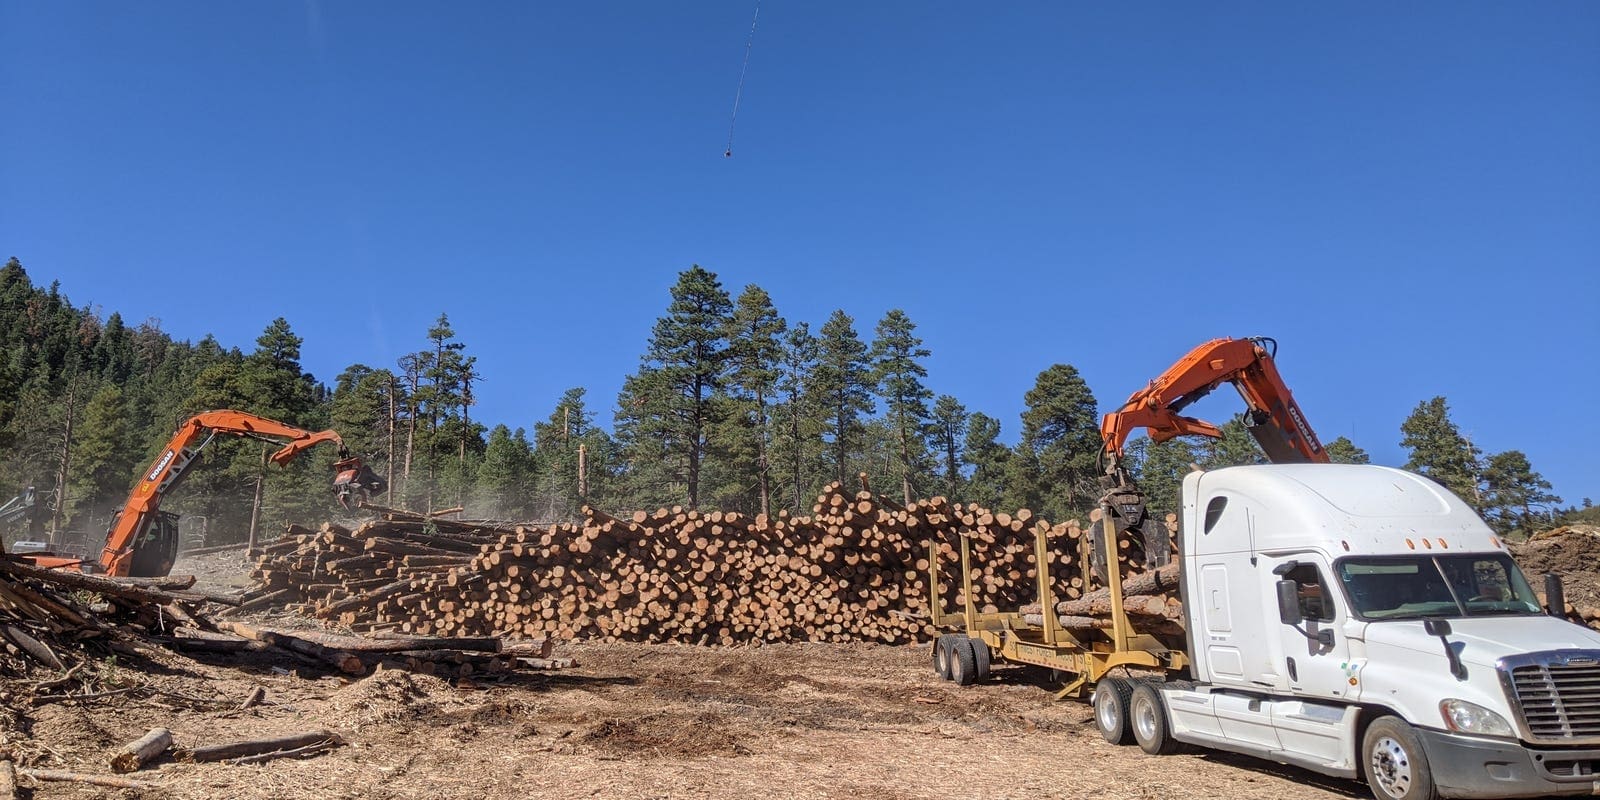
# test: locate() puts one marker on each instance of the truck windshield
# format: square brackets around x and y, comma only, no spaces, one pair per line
[1412,587]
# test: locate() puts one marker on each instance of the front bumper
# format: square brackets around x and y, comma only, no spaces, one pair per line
[1466,766]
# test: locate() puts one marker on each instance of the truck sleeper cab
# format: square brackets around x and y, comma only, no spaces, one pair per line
[1363,622]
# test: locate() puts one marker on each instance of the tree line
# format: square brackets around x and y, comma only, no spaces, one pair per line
[732,407]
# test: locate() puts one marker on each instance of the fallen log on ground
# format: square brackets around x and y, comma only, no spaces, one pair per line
[141,751]
[257,747]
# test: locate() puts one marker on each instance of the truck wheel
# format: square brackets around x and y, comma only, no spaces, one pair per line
[941,655]
[1147,714]
[1110,701]
[982,658]
[1396,766]
[963,661]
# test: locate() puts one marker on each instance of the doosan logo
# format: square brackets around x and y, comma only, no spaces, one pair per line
[160,465]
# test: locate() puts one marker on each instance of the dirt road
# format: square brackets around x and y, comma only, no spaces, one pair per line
[646,721]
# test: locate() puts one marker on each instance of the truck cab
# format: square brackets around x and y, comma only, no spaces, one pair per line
[1364,622]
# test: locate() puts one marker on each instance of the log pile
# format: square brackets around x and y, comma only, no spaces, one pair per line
[856,569]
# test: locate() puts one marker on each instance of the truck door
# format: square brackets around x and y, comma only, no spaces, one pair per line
[1315,653]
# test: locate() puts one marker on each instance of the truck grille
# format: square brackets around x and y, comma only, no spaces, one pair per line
[1557,694]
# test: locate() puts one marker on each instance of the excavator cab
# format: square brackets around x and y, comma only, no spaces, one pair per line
[354,483]
[155,547]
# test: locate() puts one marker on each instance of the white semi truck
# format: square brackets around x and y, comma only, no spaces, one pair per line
[1356,621]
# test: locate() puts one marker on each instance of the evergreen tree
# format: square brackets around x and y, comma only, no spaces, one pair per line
[755,355]
[1439,451]
[989,459]
[842,383]
[103,465]
[799,419]
[506,478]
[568,432]
[896,357]
[1236,447]
[1061,429]
[684,366]
[1516,497]
[1159,470]
[950,420]
[1344,451]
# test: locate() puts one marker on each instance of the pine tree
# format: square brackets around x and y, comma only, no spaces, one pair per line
[103,464]
[842,383]
[1344,451]
[896,357]
[799,419]
[684,365]
[950,421]
[1236,447]
[506,478]
[1514,492]
[755,354]
[989,459]
[1439,451]
[1061,429]
[1159,470]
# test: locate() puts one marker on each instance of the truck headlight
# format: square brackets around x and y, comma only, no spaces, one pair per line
[1464,717]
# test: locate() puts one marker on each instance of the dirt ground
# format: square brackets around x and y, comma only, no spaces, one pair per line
[642,721]
[629,721]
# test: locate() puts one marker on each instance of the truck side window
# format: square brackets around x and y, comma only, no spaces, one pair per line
[1315,602]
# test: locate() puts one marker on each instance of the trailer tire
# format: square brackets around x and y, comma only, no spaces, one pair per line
[941,655]
[981,658]
[1110,702]
[1147,715]
[1394,763]
[964,662]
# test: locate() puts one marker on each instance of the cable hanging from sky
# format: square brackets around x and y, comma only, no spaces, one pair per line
[749,43]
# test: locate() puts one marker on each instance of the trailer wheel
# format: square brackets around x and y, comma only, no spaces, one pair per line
[1110,701]
[941,655]
[981,658]
[1147,715]
[964,662]
[1395,764]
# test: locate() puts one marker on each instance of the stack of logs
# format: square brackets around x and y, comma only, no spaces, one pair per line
[854,570]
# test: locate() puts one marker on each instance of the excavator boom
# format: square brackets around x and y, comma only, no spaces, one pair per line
[142,539]
[1273,417]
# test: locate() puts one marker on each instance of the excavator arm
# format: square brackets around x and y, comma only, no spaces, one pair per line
[1273,417]
[136,543]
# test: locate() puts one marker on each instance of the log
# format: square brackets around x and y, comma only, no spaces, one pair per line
[78,580]
[33,647]
[8,780]
[1157,581]
[342,661]
[256,747]
[141,751]
[167,583]
[64,776]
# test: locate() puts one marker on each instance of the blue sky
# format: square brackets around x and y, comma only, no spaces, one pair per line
[1406,196]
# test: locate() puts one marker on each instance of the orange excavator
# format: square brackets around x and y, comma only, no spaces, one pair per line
[143,540]
[1272,417]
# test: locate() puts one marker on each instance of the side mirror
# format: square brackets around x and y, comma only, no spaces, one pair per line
[1289,603]
[1436,627]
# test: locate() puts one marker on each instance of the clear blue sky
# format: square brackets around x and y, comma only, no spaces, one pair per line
[1407,196]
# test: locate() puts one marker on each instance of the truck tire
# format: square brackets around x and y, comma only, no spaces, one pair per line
[1147,715]
[963,662]
[941,655]
[982,658]
[1394,763]
[1110,702]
